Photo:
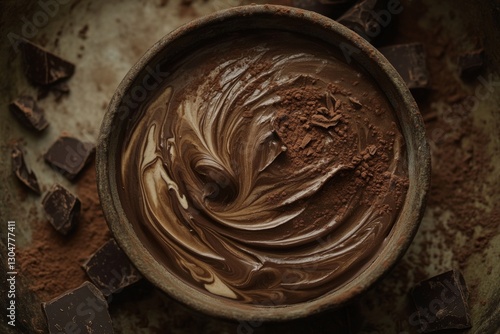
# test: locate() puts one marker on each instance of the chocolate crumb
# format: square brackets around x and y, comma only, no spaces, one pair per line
[82,33]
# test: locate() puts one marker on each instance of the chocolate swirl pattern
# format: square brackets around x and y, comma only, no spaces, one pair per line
[272,173]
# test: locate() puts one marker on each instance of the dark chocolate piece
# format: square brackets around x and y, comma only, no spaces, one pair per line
[62,208]
[69,155]
[470,63]
[441,303]
[330,8]
[22,171]
[82,310]
[43,67]
[110,269]
[28,113]
[59,89]
[361,20]
[410,61]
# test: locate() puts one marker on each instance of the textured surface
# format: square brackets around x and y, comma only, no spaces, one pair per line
[119,32]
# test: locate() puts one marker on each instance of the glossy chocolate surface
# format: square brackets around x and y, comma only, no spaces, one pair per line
[265,168]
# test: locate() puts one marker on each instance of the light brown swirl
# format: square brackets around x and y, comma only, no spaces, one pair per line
[265,169]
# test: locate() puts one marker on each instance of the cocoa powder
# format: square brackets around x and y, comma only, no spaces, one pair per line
[53,261]
[460,184]
[462,161]
[303,123]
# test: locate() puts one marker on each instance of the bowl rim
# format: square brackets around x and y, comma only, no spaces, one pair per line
[397,241]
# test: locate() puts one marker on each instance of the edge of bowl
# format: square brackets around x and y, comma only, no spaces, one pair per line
[398,240]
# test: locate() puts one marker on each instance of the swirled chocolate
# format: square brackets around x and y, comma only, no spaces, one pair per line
[265,168]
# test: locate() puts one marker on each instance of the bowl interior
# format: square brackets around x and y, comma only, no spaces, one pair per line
[123,108]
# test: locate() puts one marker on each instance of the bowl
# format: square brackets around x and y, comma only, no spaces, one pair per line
[143,82]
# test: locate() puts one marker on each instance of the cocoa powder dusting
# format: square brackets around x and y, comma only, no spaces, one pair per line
[461,186]
[53,261]
[311,131]
[463,217]
[459,199]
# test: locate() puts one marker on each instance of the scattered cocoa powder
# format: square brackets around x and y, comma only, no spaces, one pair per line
[53,262]
[461,156]
[313,126]
[460,186]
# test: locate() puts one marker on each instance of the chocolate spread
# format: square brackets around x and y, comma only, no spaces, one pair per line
[265,168]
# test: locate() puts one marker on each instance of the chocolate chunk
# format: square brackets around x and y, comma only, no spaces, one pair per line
[360,18]
[82,310]
[62,208]
[28,113]
[59,89]
[410,61]
[22,171]
[110,269]
[43,67]
[69,155]
[441,303]
[330,8]
[470,63]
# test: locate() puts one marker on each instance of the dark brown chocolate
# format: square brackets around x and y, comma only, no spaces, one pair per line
[22,171]
[470,63]
[26,110]
[43,67]
[82,310]
[410,62]
[240,174]
[110,269]
[441,303]
[59,89]
[69,155]
[62,208]
[330,8]
[360,19]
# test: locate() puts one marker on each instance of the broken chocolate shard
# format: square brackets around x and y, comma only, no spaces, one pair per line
[441,303]
[62,208]
[22,171]
[470,64]
[330,8]
[26,110]
[110,269]
[43,67]
[59,89]
[69,155]
[361,19]
[410,62]
[82,310]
